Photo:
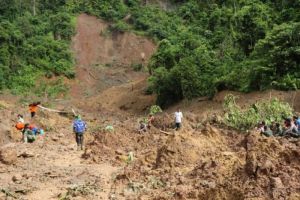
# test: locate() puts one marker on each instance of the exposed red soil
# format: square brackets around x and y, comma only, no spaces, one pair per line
[104,62]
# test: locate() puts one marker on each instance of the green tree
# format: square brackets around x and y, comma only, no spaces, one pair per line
[277,58]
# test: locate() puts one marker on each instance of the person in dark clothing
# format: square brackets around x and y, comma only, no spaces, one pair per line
[290,128]
[142,127]
[267,131]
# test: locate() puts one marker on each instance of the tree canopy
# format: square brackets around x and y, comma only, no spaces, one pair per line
[203,46]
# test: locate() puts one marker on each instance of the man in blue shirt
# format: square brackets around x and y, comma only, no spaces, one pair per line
[79,127]
[297,123]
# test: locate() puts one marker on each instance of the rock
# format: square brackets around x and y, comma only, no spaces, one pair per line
[251,163]
[26,176]
[193,194]
[26,154]
[294,196]
[61,135]
[267,167]
[87,153]
[119,152]
[8,155]
[276,183]
[17,178]
[214,130]
[251,141]
[208,184]
[210,130]
[55,139]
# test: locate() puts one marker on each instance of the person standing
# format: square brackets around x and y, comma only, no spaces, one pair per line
[178,119]
[33,108]
[79,127]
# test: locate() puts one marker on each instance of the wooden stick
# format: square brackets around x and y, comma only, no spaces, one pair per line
[165,132]
[52,110]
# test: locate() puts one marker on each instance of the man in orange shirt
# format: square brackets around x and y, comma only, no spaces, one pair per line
[33,108]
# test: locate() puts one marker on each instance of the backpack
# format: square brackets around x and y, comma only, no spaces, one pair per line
[20,126]
[30,136]
[79,126]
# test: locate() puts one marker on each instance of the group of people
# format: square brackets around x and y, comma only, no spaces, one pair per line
[290,128]
[29,131]
[145,125]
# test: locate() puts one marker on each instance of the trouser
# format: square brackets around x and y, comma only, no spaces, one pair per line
[25,138]
[177,126]
[28,138]
[32,114]
[79,139]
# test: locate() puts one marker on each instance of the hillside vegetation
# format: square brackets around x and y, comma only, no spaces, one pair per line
[34,38]
[203,46]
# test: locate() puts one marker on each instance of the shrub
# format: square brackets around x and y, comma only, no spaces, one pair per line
[155,109]
[245,119]
[119,26]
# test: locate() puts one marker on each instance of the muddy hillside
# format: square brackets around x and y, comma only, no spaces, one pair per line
[203,160]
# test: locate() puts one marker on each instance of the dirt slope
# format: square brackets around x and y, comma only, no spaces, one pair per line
[104,62]
[51,167]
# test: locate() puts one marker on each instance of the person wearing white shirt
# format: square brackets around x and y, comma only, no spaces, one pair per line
[20,118]
[178,119]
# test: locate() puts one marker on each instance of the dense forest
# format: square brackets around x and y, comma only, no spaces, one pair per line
[204,46]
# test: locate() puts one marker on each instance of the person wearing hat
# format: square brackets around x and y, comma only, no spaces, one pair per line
[79,127]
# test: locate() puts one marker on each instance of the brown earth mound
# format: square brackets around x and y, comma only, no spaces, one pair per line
[8,154]
[205,163]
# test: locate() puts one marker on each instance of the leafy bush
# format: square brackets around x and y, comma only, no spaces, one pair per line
[155,109]
[247,118]
[120,26]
